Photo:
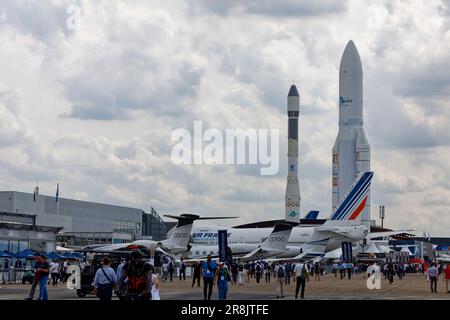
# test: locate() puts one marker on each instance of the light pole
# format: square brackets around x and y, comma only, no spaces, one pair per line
[381,211]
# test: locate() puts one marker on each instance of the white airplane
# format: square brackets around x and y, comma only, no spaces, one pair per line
[176,243]
[443,258]
[343,225]
[270,246]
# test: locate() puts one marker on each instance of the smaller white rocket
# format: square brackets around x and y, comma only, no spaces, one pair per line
[292,197]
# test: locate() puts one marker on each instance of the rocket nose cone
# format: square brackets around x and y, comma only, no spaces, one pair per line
[351,61]
[293,92]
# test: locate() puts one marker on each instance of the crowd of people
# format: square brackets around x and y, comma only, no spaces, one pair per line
[46,272]
[136,277]
[283,273]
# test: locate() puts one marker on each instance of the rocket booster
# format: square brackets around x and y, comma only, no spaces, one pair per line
[351,151]
[292,198]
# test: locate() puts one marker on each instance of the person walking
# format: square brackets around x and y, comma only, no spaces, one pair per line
[165,268]
[258,272]
[208,272]
[390,273]
[171,270]
[280,274]
[349,270]
[335,269]
[54,271]
[301,273]
[37,264]
[433,274]
[234,272]
[342,270]
[18,270]
[287,278]
[447,277]
[183,270]
[44,270]
[241,274]
[267,272]
[196,273]
[247,272]
[155,287]
[316,271]
[223,277]
[105,281]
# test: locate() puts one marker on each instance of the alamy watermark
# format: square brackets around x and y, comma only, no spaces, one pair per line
[215,147]
[374,281]
[73,21]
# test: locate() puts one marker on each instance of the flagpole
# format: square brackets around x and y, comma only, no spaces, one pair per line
[57,205]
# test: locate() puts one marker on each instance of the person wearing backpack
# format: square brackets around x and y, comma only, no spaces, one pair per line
[280,274]
[258,272]
[301,275]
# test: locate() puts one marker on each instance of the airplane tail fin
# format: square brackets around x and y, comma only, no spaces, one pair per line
[279,237]
[181,233]
[354,201]
[312,215]
[274,244]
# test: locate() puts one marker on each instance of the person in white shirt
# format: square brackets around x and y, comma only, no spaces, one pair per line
[433,274]
[335,269]
[301,275]
[155,287]
[54,271]
[165,268]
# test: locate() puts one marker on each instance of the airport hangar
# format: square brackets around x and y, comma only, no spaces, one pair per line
[29,222]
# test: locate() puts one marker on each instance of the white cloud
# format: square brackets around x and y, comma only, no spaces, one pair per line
[94,108]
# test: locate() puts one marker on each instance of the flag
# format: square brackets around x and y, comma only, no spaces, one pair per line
[57,192]
[35,193]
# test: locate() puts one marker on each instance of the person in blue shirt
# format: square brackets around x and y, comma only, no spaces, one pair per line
[223,276]
[208,272]
[120,271]
[105,281]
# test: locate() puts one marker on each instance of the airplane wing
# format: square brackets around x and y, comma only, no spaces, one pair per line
[373,235]
[333,230]
[254,254]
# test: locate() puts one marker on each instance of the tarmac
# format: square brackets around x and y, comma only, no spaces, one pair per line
[412,287]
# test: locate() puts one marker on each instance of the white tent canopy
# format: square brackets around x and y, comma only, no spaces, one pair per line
[406,249]
[372,248]
[384,249]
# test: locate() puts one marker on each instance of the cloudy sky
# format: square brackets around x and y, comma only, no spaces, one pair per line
[91,102]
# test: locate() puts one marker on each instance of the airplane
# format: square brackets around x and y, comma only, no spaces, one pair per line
[443,258]
[176,243]
[343,225]
[270,246]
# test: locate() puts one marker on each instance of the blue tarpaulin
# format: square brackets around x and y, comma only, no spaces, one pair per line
[54,256]
[72,255]
[5,254]
[25,254]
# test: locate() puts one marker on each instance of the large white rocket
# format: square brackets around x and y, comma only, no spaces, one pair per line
[351,151]
[292,198]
